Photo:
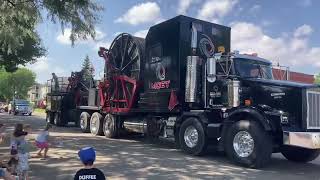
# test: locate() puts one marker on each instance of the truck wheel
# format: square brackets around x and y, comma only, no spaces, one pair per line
[192,137]
[57,119]
[248,144]
[49,117]
[298,154]
[96,124]
[109,126]
[85,122]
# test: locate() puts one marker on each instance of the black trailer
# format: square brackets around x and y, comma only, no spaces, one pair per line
[64,95]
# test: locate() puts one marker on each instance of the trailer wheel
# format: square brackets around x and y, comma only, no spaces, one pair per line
[57,119]
[192,137]
[109,126]
[85,122]
[298,154]
[96,124]
[248,144]
[49,117]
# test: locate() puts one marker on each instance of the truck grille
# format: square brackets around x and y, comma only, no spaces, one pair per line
[313,109]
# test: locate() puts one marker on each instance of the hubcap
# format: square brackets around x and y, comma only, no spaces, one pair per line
[191,136]
[243,144]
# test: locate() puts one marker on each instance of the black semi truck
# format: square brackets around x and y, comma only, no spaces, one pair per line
[183,82]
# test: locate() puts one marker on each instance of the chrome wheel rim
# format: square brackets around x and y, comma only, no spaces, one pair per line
[56,119]
[243,144]
[107,126]
[82,122]
[93,125]
[191,136]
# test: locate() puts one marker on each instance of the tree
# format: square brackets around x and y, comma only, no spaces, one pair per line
[19,19]
[87,69]
[16,84]
[317,80]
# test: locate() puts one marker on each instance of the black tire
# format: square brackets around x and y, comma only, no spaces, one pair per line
[30,114]
[110,126]
[298,154]
[197,148]
[262,144]
[96,124]
[84,122]
[49,117]
[57,120]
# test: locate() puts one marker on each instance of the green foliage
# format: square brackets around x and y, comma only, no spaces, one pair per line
[80,15]
[317,80]
[87,69]
[19,41]
[19,81]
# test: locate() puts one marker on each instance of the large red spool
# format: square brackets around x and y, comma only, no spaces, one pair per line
[119,90]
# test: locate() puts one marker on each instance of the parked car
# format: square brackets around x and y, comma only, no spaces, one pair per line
[21,107]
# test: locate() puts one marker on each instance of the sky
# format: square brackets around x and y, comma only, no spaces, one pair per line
[286,32]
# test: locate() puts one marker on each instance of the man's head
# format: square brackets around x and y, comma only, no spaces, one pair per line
[87,156]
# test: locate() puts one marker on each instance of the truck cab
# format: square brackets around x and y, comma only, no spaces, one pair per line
[287,111]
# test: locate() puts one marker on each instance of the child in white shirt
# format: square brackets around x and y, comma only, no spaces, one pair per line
[42,141]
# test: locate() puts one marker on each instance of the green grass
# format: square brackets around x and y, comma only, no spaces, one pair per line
[38,110]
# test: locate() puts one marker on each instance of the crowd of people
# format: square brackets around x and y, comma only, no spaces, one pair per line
[15,165]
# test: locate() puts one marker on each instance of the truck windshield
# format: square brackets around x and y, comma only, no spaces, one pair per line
[253,69]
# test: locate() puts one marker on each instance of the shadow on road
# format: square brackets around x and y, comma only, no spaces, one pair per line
[135,157]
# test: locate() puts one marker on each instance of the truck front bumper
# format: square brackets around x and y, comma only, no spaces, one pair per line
[309,140]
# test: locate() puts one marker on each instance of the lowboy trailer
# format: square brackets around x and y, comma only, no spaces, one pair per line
[183,82]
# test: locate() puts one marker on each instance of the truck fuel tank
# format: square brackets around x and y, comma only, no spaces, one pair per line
[192,79]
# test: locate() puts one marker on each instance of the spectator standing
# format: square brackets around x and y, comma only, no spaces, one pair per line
[88,156]
[20,146]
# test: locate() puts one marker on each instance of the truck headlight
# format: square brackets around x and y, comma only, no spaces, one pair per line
[17,107]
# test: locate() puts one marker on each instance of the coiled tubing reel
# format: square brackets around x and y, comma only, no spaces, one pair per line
[123,61]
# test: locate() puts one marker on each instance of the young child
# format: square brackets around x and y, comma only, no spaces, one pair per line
[42,141]
[4,171]
[88,156]
[19,145]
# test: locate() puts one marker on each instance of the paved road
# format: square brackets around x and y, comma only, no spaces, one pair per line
[135,158]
